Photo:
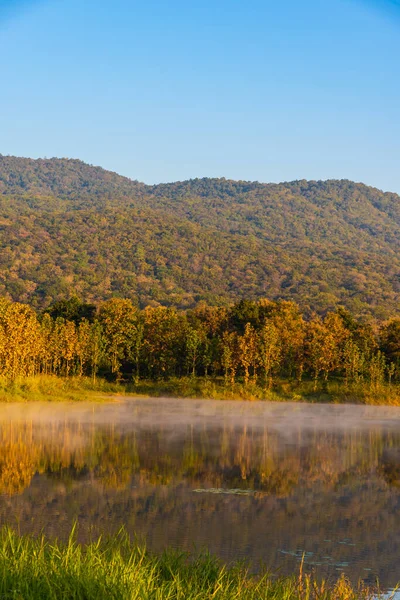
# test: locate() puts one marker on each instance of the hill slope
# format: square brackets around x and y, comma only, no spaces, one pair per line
[67,227]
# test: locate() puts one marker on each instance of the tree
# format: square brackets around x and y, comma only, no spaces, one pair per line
[324,345]
[245,311]
[270,350]
[249,352]
[194,340]
[97,346]
[46,334]
[289,322]
[229,356]
[68,341]
[320,347]
[389,335]
[353,362]
[72,310]
[164,341]
[136,348]
[118,319]
[83,345]
[19,340]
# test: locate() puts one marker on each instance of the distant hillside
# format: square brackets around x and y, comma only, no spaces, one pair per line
[62,178]
[67,227]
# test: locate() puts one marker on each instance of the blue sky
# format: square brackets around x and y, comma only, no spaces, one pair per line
[164,91]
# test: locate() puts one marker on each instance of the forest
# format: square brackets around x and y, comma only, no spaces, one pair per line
[68,228]
[256,344]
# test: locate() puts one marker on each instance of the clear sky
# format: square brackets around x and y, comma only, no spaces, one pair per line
[171,90]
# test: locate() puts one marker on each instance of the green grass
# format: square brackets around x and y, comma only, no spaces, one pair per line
[333,391]
[53,388]
[114,568]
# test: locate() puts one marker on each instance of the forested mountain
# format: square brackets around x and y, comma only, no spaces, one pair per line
[69,228]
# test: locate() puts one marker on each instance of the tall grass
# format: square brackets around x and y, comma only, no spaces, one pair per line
[114,568]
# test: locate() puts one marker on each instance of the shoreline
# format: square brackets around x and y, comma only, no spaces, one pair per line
[52,388]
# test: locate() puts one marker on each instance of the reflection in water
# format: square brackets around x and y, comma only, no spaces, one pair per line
[265,482]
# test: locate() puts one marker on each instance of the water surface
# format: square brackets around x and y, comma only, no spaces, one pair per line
[265,482]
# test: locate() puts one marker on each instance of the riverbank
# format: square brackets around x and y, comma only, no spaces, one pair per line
[35,568]
[54,388]
[334,391]
[51,388]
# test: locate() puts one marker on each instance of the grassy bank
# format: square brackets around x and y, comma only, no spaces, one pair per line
[54,388]
[334,391]
[50,388]
[37,569]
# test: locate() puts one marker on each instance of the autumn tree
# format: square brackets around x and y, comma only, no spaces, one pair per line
[97,345]
[19,340]
[229,356]
[270,350]
[164,342]
[354,363]
[389,336]
[118,318]
[248,347]
[289,322]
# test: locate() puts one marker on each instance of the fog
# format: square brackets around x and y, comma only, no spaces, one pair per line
[129,414]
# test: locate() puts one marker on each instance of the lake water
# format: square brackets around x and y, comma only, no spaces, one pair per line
[258,481]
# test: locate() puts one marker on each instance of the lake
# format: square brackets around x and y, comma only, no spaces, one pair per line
[271,483]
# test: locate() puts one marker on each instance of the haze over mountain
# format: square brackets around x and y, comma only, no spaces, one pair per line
[70,228]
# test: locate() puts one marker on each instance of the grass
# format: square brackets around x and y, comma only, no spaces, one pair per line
[114,568]
[333,391]
[53,388]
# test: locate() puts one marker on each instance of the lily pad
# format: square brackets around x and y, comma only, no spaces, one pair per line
[230,492]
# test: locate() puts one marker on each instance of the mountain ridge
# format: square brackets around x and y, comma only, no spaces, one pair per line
[67,227]
[250,184]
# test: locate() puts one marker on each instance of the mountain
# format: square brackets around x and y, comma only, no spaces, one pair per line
[70,228]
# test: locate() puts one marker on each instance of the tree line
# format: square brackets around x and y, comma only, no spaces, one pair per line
[252,342]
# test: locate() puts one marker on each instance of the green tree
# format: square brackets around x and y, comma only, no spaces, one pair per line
[270,351]
[118,318]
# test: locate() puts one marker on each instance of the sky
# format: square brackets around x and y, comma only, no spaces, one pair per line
[171,90]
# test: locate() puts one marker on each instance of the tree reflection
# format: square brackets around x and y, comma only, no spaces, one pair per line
[226,457]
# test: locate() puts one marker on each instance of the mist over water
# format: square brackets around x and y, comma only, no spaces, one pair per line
[262,481]
[133,413]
